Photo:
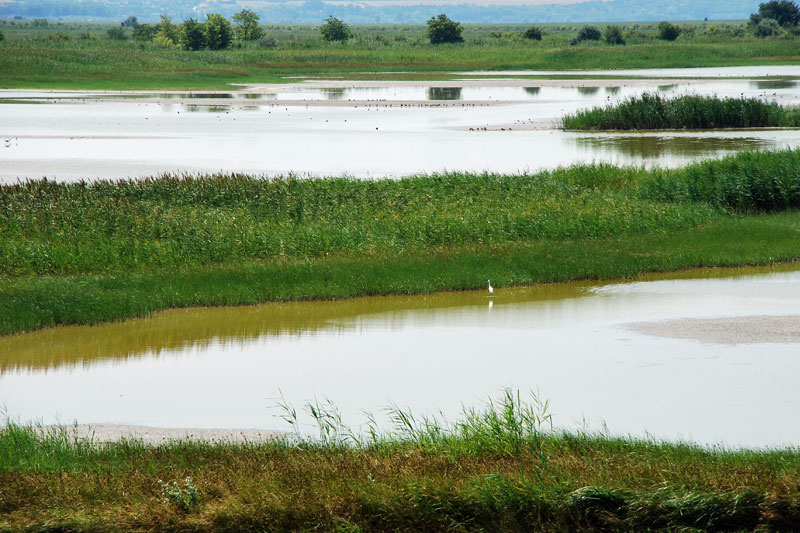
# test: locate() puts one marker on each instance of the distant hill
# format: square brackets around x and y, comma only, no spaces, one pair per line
[386,11]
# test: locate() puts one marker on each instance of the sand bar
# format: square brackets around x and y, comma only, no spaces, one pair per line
[729,330]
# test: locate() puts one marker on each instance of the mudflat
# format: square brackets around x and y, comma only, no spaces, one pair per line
[728,330]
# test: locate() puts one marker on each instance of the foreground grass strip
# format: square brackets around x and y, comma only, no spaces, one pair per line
[87,253]
[499,467]
[651,111]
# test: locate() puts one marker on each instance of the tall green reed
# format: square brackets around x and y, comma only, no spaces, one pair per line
[652,111]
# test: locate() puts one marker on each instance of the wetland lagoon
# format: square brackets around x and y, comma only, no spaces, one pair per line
[367,129]
[428,352]
[152,288]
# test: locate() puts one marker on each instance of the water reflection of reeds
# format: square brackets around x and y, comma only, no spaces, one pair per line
[176,330]
[171,332]
[444,93]
[653,147]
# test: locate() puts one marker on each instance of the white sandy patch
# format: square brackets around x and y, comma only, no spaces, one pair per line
[732,330]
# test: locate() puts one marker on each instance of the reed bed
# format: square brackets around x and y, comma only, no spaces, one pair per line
[172,221]
[499,467]
[651,111]
[84,253]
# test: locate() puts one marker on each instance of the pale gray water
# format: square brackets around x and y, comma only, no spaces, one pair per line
[697,72]
[572,342]
[389,129]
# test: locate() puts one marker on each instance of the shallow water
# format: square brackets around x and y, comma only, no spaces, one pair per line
[573,342]
[385,130]
[697,72]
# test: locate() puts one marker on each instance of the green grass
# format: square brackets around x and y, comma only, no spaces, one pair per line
[85,253]
[29,59]
[651,111]
[499,467]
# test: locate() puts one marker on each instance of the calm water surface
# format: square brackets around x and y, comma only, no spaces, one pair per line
[225,367]
[386,130]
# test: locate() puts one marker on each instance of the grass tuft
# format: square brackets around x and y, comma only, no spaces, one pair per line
[651,111]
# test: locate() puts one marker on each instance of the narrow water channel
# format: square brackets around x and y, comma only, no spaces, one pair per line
[591,349]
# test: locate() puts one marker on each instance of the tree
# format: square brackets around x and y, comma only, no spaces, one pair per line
[130,22]
[668,31]
[116,34]
[589,33]
[613,35]
[167,34]
[533,33]
[247,28]
[785,12]
[219,33]
[443,30]
[192,35]
[335,30]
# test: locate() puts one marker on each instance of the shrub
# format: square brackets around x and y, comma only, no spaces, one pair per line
[85,36]
[116,34]
[589,33]
[767,28]
[219,33]
[668,31]
[2,36]
[267,42]
[533,33]
[144,32]
[192,35]
[163,40]
[613,35]
[335,30]
[443,30]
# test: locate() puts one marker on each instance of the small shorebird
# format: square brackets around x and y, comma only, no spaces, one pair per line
[491,289]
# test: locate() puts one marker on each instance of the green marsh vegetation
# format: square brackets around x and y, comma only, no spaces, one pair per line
[498,467]
[651,111]
[84,253]
[80,56]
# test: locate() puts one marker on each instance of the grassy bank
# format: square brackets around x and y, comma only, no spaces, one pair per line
[500,467]
[651,111]
[85,253]
[44,63]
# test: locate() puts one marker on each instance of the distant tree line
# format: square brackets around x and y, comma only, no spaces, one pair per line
[215,33]
[312,11]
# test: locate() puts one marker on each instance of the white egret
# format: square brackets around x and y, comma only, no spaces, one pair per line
[491,289]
